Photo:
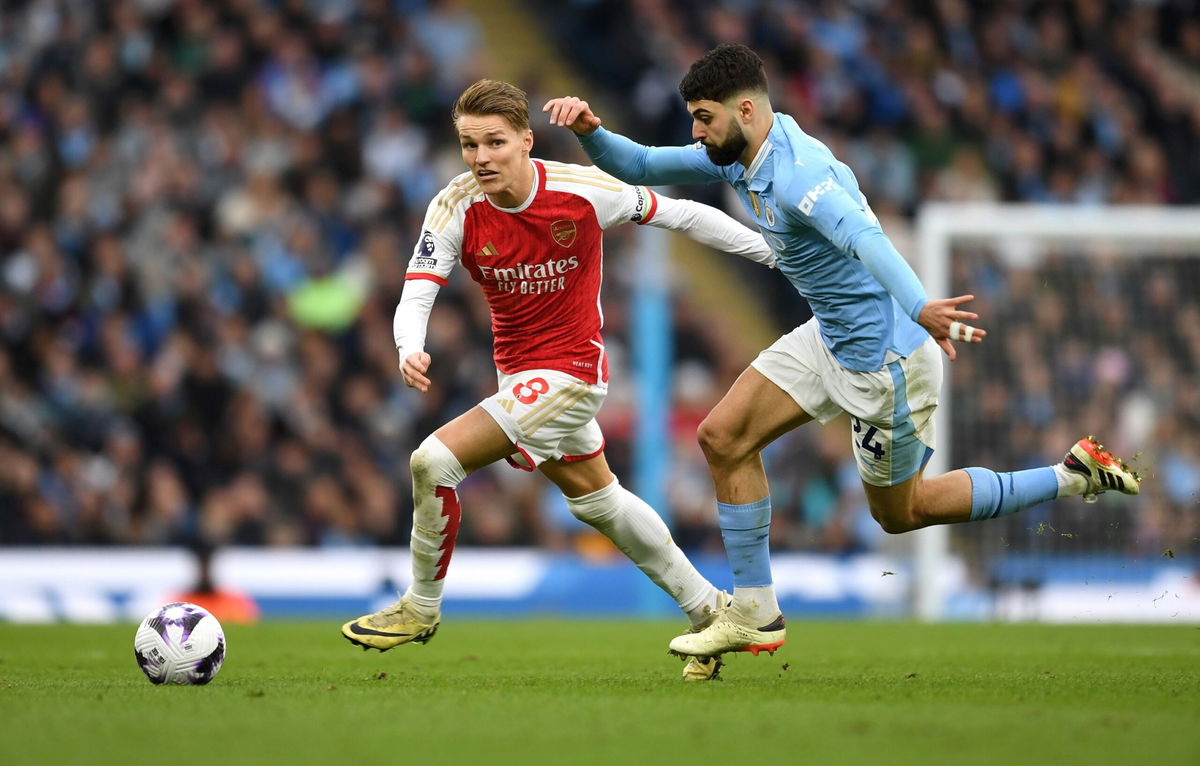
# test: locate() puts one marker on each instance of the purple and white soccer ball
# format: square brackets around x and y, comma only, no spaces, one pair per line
[179,643]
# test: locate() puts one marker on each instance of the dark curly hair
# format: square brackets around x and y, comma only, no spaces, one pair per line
[723,72]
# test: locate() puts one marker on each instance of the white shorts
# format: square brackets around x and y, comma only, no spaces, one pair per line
[891,409]
[548,415]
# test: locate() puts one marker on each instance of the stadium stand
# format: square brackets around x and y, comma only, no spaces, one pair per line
[206,209]
[1085,103]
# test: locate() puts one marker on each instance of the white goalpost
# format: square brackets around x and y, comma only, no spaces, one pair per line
[1137,253]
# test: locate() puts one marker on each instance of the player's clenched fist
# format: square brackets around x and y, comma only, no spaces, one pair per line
[413,370]
[571,112]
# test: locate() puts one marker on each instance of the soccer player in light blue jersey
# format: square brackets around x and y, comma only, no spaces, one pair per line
[871,349]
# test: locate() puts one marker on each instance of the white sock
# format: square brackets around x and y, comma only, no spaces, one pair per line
[436,515]
[1069,482]
[702,613]
[755,607]
[641,535]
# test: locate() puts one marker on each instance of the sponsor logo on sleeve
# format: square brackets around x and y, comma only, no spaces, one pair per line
[814,194]
[424,258]
[639,209]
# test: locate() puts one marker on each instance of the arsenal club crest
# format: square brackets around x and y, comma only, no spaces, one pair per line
[563,232]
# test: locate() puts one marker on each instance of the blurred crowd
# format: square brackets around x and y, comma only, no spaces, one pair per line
[207,207]
[206,210]
[1082,101]
[1096,340]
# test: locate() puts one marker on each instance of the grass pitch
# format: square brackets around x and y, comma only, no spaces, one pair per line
[558,692]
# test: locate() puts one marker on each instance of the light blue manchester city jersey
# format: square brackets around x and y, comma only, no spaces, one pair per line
[809,208]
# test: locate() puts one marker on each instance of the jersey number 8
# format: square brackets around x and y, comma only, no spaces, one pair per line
[528,393]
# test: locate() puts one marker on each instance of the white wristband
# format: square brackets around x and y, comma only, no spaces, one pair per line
[960,331]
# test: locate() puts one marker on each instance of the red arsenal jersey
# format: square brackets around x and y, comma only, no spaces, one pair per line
[539,264]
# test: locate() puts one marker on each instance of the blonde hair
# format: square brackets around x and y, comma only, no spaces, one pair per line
[494,97]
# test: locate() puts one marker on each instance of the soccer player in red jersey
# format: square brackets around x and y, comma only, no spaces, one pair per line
[529,232]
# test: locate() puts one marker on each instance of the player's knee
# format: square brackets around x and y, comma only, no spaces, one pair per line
[897,521]
[434,465]
[596,506]
[718,443]
[895,525]
[421,463]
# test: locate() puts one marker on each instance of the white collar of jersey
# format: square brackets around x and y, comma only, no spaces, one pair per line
[757,160]
[537,181]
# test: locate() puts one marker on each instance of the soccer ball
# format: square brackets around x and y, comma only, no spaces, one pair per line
[179,643]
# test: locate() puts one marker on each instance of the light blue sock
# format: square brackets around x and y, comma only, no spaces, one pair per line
[746,529]
[999,494]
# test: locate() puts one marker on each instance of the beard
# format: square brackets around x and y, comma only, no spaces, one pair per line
[728,152]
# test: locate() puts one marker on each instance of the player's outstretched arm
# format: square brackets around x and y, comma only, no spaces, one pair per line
[711,227]
[943,320]
[626,159]
[851,226]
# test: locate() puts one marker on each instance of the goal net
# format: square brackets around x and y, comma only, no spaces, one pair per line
[1093,318]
